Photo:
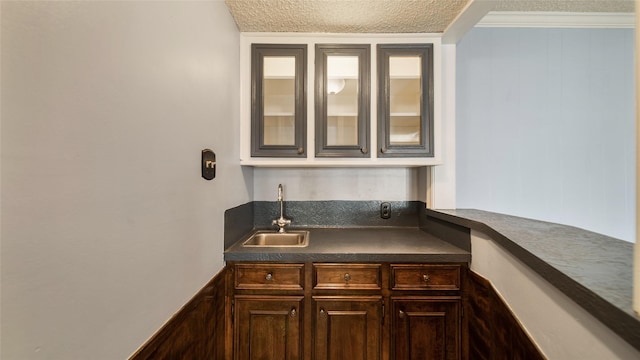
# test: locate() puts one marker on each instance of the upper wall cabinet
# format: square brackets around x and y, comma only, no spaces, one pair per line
[278,100]
[342,100]
[334,100]
[405,100]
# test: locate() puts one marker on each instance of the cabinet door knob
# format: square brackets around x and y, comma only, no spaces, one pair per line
[294,312]
[364,150]
[300,150]
[402,314]
[269,277]
[347,277]
[383,150]
[426,278]
[322,312]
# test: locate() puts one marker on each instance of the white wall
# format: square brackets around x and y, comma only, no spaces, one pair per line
[305,184]
[545,126]
[107,226]
[561,328]
[443,177]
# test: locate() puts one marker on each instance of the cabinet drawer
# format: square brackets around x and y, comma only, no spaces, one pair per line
[346,276]
[269,276]
[425,277]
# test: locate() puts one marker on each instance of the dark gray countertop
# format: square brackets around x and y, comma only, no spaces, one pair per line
[594,270]
[366,244]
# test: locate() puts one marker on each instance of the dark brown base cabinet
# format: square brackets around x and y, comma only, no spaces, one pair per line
[347,328]
[268,327]
[346,311]
[426,328]
[317,311]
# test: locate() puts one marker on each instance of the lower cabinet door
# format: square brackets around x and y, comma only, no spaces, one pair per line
[268,327]
[425,328]
[347,328]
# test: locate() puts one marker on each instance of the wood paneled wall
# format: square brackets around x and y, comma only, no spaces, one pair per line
[197,331]
[493,330]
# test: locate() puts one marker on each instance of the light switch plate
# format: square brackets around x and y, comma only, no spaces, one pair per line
[208,164]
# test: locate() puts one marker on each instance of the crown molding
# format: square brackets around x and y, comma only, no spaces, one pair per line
[534,19]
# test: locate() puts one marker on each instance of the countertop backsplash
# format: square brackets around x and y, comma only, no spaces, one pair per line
[330,213]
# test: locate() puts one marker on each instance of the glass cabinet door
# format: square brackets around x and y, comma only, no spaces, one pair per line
[278,100]
[405,101]
[342,100]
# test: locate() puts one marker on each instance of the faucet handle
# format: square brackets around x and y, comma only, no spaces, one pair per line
[281,222]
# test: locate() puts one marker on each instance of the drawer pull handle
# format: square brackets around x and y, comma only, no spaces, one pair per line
[269,277]
[347,277]
[426,278]
[402,314]
[293,312]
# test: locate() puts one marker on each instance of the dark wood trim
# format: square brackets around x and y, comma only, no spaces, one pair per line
[196,331]
[493,331]
[229,314]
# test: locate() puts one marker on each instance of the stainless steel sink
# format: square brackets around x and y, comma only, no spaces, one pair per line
[267,238]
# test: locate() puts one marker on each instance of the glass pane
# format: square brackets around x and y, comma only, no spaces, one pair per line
[278,96]
[405,96]
[342,100]
[279,130]
[404,130]
[342,130]
[279,66]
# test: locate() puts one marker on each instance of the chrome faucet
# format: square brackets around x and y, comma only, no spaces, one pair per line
[281,222]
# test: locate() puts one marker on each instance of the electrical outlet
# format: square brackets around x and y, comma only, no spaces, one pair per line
[385,210]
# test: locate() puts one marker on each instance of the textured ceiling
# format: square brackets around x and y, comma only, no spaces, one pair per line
[385,16]
[344,16]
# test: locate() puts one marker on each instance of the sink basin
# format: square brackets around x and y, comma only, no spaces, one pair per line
[265,238]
